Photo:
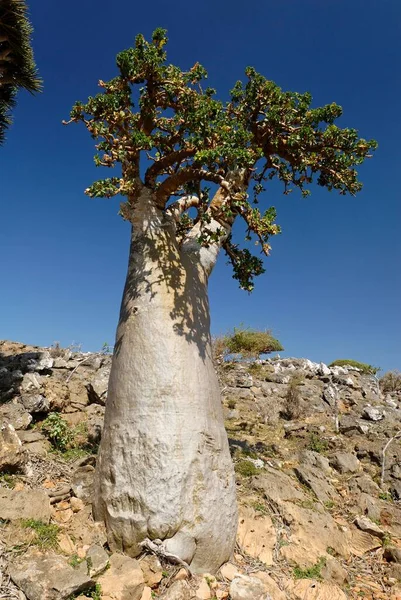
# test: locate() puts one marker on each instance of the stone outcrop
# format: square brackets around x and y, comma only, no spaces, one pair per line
[313,513]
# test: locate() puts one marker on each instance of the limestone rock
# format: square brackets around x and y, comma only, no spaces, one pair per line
[248,588]
[203,591]
[82,482]
[15,414]
[97,560]
[31,382]
[316,481]
[48,577]
[229,571]
[152,570]
[256,534]
[365,524]
[373,413]
[124,579]
[12,456]
[345,462]
[97,387]
[180,590]
[309,589]
[270,586]
[35,403]
[24,504]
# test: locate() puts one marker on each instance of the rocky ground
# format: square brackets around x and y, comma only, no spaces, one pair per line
[320,514]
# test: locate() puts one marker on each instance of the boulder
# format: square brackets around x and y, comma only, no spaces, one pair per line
[12,456]
[97,387]
[365,524]
[248,588]
[179,590]
[345,462]
[35,403]
[49,577]
[24,504]
[82,482]
[97,560]
[123,580]
[373,413]
[16,415]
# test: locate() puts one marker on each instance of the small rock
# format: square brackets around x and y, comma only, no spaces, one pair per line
[247,588]
[66,544]
[147,593]
[35,403]
[97,388]
[11,454]
[345,462]
[41,447]
[24,504]
[180,590]
[97,560]
[30,382]
[123,580]
[203,591]
[152,570]
[373,413]
[48,577]
[63,516]
[365,524]
[16,415]
[229,571]
[181,575]
[76,504]
[82,482]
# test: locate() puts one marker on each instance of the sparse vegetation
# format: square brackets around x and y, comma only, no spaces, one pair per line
[247,343]
[390,382]
[7,480]
[58,431]
[292,403]
[317,444]
[313,572]
[75,561]
[231,403]
[363,367]
[245,468]
[45,534]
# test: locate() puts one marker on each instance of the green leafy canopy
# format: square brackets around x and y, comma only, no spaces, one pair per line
[193,142]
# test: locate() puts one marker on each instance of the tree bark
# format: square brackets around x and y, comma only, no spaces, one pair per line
[164,469]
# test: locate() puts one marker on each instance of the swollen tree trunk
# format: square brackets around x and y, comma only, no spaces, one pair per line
[164,469]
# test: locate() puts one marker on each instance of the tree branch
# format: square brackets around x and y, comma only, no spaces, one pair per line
[165,162]
[186,174]
[176,209]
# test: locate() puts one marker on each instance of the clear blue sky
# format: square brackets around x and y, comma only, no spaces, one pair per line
[332,285]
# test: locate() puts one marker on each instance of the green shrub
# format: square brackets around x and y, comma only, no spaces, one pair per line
[317,444]
[314,572]
[391,382]
[46,534]
[246,468]
[365,368]
[58,431]
[249,343]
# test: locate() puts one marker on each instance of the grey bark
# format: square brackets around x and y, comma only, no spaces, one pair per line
[164,469]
